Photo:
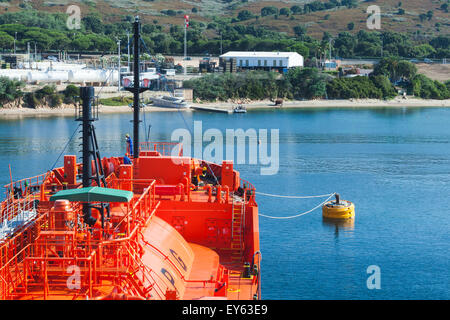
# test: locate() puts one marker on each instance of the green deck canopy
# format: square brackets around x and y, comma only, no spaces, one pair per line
[93,194]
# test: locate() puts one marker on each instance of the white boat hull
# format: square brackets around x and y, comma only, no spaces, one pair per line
[170,102]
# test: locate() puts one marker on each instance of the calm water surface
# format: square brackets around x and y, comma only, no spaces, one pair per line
[393,164]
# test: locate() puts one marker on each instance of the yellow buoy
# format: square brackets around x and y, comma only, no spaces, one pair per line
[338,209]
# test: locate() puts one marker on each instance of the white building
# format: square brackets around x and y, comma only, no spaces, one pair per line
[265,60]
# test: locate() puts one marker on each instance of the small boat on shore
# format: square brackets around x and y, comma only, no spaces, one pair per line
[170,102]
[239,109]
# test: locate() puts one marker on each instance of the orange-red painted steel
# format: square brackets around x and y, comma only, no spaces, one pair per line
[173,240]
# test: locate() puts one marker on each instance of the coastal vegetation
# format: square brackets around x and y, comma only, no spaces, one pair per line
[376,87]
[10,90]
[46,96]
[254,85]
[389,76]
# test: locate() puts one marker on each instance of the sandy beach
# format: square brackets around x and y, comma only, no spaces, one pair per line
[68,111]
[351,103]
[266,104]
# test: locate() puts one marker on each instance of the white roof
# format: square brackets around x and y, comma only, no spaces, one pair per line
[262,54]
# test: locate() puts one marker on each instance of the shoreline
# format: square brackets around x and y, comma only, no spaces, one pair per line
[68,111]
[335,104]
[254,105]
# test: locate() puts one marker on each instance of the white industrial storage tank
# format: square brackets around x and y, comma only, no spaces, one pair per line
[58,76]
[84,75]
[14,74]
[112,76]
[48,76]
[37,76]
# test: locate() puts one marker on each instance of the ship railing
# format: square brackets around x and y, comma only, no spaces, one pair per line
[146,274]
[16,213]
[139,211]
[246,189]
[50,262]
[164,148]
[20,198]
[40,260]
[27,185]
[11,274]
[249,191]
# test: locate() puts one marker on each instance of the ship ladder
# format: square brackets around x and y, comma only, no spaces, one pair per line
[236,232]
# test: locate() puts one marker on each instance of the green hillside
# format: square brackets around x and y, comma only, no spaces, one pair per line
[411,29]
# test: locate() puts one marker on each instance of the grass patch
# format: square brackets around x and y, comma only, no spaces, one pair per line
[116,101]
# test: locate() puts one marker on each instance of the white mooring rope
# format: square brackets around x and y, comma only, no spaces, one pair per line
[303,213]
[295,197]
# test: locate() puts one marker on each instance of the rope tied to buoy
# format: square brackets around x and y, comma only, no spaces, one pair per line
[294,197]
[330,195]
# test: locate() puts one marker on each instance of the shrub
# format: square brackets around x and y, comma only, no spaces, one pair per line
[10,90]
[71,94]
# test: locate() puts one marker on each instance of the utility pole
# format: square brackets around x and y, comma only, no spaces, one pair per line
[118,65]
[128,46]
[185,46]
[15,38]
[330,48]
[28,53]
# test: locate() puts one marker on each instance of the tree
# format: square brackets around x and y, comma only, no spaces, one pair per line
[406,69]
[267,11]
[358,87]
[81,42]
[307,83]
[395,69]
[300,31]
[344,44]
[296,9]
[93,23]
[383,83]
[351,26]
[6,41]
[10,90]
[423,50]
[300,48]
[37,35]
[285,11]
[244,15]
[424,87]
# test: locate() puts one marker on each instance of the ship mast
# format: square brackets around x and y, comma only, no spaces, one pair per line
[87,114]
[136,89]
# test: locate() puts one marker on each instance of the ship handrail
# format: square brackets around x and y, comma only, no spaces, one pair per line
[135,229]
[149,194]
[146,271]
[38,177]
[167,147]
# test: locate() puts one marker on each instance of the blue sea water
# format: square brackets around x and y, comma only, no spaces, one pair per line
[394,164]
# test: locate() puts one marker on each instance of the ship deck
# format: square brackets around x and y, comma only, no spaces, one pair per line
[171,240]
